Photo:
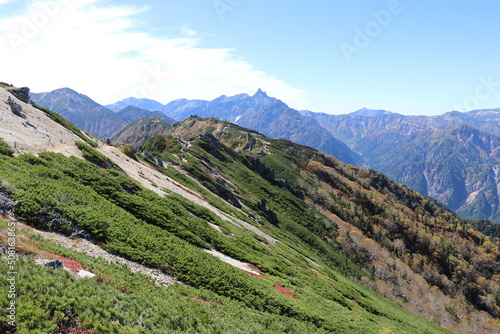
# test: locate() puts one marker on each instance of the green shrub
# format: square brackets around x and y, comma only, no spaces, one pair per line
[5,149]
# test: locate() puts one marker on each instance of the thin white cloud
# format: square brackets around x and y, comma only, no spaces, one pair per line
[100,51]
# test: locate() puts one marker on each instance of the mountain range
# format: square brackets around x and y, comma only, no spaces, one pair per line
[451,157]
[88,114]
[213,227]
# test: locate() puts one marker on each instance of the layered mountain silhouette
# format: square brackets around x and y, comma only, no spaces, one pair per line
[88,114]
[262,113]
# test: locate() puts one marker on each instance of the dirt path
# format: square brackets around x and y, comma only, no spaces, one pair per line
[92,250]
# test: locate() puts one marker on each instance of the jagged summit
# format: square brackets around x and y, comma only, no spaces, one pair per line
[260,93]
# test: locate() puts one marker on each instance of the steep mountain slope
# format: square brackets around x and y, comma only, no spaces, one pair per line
[82,111]
[458,166]
[265,231]
[137,132]
[131,114]
[251,271]
[443,156]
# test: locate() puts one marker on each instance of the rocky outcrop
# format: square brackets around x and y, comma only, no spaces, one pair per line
[269,213]
[258,166]
[213,146]
[16,108]
[22,94]
[6,204]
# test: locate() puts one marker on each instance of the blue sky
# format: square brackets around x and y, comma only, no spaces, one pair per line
[335,56]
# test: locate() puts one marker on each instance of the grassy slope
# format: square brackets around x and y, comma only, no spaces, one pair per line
[167,233]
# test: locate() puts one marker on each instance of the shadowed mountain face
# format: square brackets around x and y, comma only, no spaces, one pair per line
[145,104]
[140,130]
[131,113]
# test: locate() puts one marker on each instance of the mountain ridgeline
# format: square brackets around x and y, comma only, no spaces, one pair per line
[453,158]
[429,154]
[88,114]
[263,235]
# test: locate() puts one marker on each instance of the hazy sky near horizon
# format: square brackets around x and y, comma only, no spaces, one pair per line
[335,56]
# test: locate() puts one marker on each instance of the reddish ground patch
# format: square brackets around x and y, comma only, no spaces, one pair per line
[204,301]
[284,291]
[188,191]
[268,246]
[150,167]
[72,265]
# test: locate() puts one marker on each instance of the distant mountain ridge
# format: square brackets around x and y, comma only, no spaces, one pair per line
[267,115]
[404,147]
[145,104]
[88,114]
[132,113]
[451,157]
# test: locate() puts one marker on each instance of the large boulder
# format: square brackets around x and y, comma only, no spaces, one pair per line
[22,94]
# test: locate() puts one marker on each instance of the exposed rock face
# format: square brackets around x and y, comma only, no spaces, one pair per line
[270,214]
[16,108]
[6,204]
[259,167]
[213,146]
[23,93]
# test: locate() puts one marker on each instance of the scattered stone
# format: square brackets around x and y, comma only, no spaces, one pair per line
[56,264]
[85,274]
[6,204]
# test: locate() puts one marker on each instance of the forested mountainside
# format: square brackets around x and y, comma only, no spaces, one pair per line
[311,236]
[453,157]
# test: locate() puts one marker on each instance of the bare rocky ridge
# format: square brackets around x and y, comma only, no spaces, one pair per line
[35,132]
